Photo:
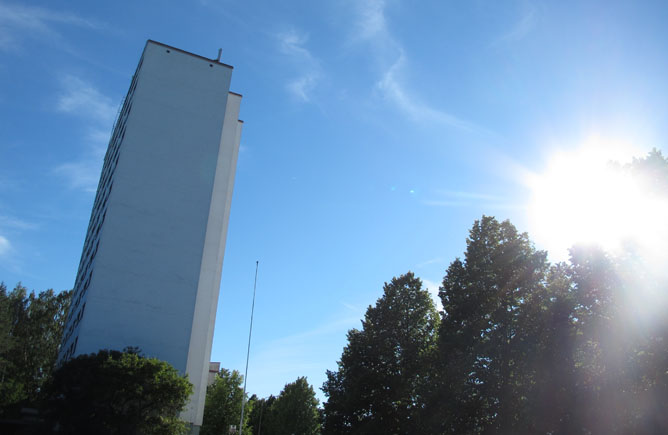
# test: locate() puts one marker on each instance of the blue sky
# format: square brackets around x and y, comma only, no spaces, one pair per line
[375,133]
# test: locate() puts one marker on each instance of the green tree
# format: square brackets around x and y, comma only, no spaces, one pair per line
[222,408]
[550,329]
[385,369]
[113,392]
[295,411]
[577,347]
[483,373]
[31,327]
[260,419]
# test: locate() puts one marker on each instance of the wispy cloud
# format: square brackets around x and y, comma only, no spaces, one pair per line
[450,198]
[394,90]
[293,45]
[353,308]
[303,86]
[5,246]
[471,195]
[81,175]
[82,99]
[84,173]
[372,28]
[431,261]
[12,222]
[342,324]
[11,228]
[522,28]
[19,22]
[371,22]
[284,359]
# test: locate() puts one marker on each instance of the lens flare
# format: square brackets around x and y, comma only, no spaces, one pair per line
[584,197]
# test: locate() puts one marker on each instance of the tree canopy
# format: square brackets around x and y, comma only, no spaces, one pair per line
[113,392]
[384,372]
[522,346]
[31,327]
[482,348]
[222,408]
[294,411]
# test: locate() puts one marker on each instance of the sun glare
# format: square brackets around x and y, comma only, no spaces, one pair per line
[582,197]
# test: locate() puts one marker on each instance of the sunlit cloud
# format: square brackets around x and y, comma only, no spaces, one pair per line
[11,257]
[5,246]
[11,226]
[81,98]
[293,45]
[19,22]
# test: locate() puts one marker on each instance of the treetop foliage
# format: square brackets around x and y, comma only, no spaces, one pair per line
[382,375]
[222,408]
[31,327]
[113,392]
[294,411]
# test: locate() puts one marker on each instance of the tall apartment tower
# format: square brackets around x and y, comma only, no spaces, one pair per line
[150,270]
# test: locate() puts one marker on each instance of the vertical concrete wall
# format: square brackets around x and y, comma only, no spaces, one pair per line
[156,275]
[201,336]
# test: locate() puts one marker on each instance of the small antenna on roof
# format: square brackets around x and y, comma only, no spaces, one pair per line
[220,51]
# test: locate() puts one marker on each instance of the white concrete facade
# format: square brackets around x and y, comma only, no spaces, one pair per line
[151,265]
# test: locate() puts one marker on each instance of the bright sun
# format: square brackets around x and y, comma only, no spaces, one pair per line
[582,198]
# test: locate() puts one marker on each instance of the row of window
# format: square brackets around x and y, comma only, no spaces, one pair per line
[73,324]
[98,215]
[69,352]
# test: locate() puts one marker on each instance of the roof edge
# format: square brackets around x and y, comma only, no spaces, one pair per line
[188,53]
